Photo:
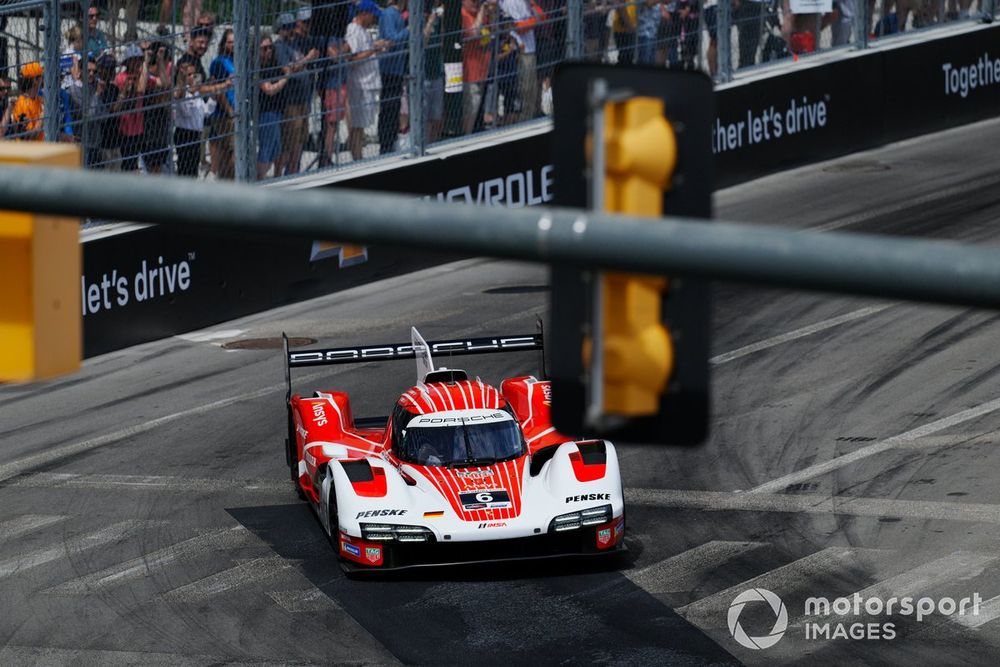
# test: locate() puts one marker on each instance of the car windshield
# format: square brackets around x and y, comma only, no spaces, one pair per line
[467,443]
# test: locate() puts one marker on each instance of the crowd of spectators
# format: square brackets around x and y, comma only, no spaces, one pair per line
[332,84]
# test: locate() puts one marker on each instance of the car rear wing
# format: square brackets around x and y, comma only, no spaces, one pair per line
[393,351]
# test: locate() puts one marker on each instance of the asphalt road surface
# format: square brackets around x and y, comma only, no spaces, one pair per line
[146,514]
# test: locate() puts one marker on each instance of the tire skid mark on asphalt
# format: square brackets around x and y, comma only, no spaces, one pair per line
[310,599]
[57,657]
[28,463]
[684,572]
[28,523]
[244,573]
[106,535]
[54,480]
[878,447]
[137,568]
[787,581]
[815,503]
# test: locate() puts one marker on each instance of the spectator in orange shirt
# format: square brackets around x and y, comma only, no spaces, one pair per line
[24,118]
[476,54]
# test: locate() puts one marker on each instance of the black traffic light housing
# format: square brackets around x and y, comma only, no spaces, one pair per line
[688,104]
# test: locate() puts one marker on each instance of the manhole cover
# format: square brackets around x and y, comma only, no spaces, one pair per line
[266,343]
[517,289]
[857,167]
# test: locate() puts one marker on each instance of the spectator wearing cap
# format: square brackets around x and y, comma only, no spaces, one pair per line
[97,40]
[25,115]
[296,51]
[220,145]
[393,31]
[132,83]
[363,80]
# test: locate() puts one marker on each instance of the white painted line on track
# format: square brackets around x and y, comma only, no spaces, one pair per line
[112,533]
[829,563]
[685,571]
[243,574]
[23,525]
[309,600]
[813,503]
[207,336]
[838,462]
[959,565]
[53,480]
[137,568]
[989,610]
[798,333]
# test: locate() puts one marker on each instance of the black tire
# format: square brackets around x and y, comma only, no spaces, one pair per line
[334,535]
[293,468]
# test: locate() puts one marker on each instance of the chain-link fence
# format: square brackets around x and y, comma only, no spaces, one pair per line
[262,89]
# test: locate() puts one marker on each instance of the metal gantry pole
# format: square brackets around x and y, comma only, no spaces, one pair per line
[85,111]
[862,21]
[574,29]
[242,85]
[52,120]
[418,140]
[451,54]
[849,263]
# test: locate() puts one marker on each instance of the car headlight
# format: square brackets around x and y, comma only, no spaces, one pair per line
[589,517]
[384,532]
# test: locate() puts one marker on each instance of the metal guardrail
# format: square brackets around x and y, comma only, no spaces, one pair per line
[937,271]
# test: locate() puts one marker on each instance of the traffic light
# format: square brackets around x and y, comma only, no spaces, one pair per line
[41,321]
[629,353]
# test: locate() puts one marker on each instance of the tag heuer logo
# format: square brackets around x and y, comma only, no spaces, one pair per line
[604,536]
[373,554]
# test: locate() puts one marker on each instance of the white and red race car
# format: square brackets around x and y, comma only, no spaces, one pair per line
[459,472]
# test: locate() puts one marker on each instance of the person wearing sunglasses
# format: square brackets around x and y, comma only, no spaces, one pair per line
[97,39]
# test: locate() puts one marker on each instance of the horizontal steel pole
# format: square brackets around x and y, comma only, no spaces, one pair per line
[938,271]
